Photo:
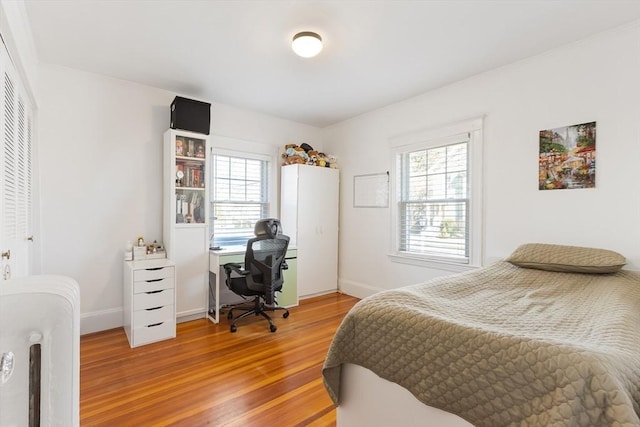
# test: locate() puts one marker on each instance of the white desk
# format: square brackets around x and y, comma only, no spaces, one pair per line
[219,295]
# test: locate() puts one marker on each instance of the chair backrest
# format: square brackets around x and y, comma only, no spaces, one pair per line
[265,257]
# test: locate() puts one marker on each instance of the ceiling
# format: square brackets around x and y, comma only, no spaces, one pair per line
[375,52]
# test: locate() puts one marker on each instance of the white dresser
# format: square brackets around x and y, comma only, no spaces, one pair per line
[149,301]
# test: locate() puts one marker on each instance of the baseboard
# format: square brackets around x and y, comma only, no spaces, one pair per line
[317,294]
[187,316]
[102,320]
[355,289]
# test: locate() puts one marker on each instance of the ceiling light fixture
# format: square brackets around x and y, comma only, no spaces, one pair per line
[307,44]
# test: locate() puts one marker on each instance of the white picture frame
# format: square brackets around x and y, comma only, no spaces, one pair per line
[371,190]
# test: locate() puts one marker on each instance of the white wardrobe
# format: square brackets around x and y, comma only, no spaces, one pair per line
[309,216]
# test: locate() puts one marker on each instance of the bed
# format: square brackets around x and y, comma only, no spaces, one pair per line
[549,336]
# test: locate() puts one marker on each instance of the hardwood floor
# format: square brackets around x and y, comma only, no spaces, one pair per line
[209,376]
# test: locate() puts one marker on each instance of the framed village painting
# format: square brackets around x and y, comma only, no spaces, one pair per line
[567,158]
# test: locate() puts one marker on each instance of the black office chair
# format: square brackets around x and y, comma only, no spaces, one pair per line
[262,276]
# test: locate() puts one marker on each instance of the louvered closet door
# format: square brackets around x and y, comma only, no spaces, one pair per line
[16,123]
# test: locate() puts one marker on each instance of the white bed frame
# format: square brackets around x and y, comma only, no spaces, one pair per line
[368,400]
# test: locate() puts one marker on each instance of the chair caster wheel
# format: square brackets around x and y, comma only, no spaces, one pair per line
[286,314]
[233,328]
[229,315]
[273,328]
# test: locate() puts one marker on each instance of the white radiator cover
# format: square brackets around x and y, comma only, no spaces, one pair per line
[45,311]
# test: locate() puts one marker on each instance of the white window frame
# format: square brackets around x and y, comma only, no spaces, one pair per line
[470,130]
[233,147]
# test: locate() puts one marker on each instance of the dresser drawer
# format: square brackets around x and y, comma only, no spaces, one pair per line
[153,273]
[153,285]
[154,332]
[152,315]
[153,299]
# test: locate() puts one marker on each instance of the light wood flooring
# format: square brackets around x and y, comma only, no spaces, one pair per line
[209,376]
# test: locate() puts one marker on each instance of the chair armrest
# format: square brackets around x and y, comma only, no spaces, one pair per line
[233,265]
[236,268]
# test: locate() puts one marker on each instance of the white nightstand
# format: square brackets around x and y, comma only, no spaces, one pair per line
[149,301]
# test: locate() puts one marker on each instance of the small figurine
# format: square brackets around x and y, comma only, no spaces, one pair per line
[140,241]
[179,147]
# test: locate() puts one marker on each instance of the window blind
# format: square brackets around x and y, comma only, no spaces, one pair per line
[239,198]
[434,201]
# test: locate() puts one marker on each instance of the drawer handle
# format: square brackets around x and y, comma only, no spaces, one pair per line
[154,269]
[153,280]
[154,325]
[154,308]
[154,292]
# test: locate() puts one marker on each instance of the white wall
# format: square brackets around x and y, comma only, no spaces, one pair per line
[16,33]
[592,80]
[101,168]
[100,163]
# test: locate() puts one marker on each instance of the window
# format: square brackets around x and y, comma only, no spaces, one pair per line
[240,197]
[437,215]
[434,201]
